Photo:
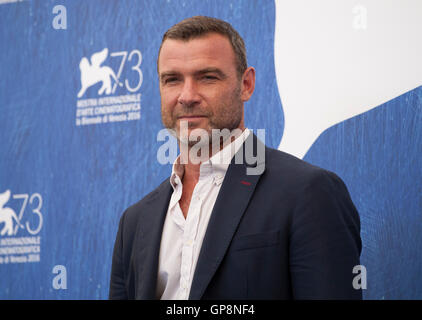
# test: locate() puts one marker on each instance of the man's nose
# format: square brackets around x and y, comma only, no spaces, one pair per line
[189,95]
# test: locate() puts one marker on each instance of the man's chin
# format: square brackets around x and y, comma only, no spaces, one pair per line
[196,136]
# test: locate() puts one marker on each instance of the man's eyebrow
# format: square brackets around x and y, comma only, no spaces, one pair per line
[168,74]
[212,70]
[217,71]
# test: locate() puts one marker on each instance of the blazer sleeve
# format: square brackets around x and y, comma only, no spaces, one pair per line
[325,241]
[117,279]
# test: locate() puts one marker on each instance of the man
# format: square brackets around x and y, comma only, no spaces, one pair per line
[213,231]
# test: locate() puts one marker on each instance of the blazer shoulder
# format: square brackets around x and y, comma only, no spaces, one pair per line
[283,164]
[302,182]
[296,177]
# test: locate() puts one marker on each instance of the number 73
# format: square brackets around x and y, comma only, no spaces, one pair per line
[136,68]
[35,211]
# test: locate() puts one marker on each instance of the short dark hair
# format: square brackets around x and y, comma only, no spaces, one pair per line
[198,26]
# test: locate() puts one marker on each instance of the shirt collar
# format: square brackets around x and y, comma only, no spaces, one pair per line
[217,164]
[177,172]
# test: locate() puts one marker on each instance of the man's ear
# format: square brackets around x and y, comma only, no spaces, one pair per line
[248,84]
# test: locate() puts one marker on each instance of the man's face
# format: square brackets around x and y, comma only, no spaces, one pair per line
[199,84]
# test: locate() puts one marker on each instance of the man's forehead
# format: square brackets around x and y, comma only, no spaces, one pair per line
[209,36]
[211,47]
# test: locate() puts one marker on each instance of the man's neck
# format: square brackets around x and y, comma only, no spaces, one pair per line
[192,172]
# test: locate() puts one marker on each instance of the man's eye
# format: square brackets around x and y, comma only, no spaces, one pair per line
[170,80]
[208,77]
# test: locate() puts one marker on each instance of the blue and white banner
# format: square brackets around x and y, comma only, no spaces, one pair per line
[338,84]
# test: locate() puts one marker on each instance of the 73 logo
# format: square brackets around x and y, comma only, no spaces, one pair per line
[93,71]
[8,215]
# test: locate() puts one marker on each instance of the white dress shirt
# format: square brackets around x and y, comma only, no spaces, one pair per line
[182,238]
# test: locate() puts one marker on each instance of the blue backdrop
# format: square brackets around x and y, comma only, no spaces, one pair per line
[70,179]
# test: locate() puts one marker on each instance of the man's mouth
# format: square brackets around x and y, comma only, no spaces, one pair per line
[191,117]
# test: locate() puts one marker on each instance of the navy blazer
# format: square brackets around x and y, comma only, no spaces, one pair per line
[291,232]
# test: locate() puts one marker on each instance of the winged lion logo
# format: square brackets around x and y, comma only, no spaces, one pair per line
[93,73]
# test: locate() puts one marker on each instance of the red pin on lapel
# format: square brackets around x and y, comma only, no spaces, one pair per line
[245,183]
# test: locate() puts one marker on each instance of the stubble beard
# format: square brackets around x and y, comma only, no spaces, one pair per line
[227,121]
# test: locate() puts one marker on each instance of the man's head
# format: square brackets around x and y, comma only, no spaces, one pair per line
[203,75]
[200,26]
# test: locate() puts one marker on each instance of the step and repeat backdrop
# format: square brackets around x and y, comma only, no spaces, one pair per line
[338,85]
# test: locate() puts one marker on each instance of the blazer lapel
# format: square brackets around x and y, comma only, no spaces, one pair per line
[149,239]
[232,200]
